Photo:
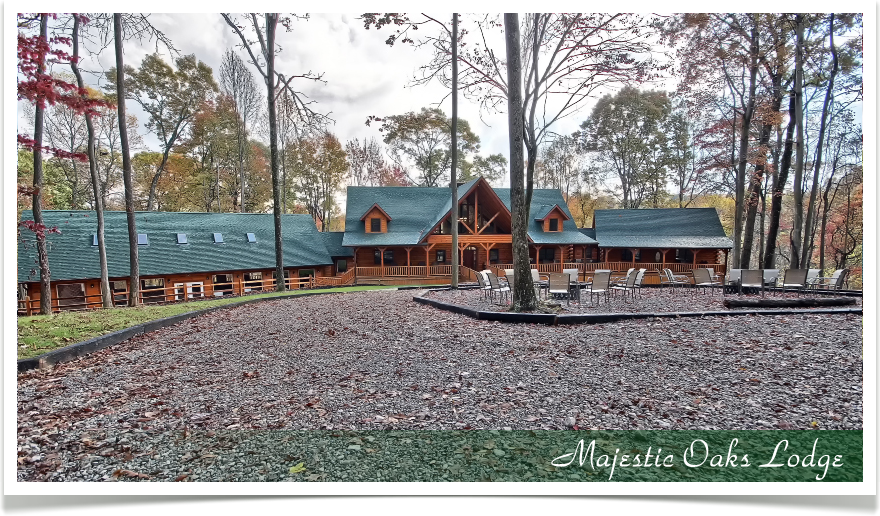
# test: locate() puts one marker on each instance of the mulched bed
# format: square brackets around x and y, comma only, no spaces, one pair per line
[652,300]
[147,409]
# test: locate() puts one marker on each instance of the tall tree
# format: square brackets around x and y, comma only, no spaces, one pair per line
[238,82]
[365,162]
[453,179]
[524,298]
[567,58]
[106,294]
[263,58]
[170,97]
[425,139]
[41,89]
[797,225]
[625,130]
[134,275]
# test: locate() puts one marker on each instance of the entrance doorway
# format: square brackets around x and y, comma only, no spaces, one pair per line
[469,257]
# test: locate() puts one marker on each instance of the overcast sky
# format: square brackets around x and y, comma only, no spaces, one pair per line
[363,75]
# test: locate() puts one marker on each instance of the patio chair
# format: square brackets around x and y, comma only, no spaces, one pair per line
[539,283]
[795,279]
[600,285]
[812,276]
[640,276]
[672,279]
[703,280]
[835,281]
[629,286]
[496,287]
[771,277]
[483,282]
[559,284]
[752,278]
[731,281]
[573,282]
[622,282]
[508,276]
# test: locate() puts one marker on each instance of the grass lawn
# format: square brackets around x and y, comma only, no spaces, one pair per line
[39,334]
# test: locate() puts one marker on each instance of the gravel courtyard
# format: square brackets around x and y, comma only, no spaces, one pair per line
[652,300]
[379,361]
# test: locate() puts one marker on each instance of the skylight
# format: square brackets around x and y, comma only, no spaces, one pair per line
[252,238]
[181,238]
[218,238]
[94,240]
[142,239]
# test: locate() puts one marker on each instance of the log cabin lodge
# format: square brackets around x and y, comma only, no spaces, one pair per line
[393,235]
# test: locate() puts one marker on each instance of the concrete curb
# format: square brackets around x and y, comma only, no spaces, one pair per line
[554,319]
[80,349]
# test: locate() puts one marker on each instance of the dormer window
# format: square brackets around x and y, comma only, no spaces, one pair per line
[376,220]
[554,224]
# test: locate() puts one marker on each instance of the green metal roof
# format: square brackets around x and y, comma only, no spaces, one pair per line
[662,228]
[333,243]
[543,200]
[72,255]
[416,210]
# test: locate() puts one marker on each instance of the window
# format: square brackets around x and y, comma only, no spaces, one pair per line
[441,256]
[218,238]
[152,290]
[377,257]
[304,273]
[375,225]
[547,255]
[286,274]
[222,284]
[94,240]
[181,238]
[120,294]
[72,295]
[252,238]
[626,255]
[142,239]
[253,281]
[493,255]
[554,224]
[389,257]
[341,266]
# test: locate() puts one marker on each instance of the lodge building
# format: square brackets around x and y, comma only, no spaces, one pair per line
[393,235]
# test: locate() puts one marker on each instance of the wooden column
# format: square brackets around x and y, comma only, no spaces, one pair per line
[408,249]
[633,252]
[382,259]
[537,255]
[663,252]
[695,258]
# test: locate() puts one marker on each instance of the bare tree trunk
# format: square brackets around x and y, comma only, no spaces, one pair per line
[42,249]
[453,182]
[271,23]
[756,191]
[523,298]
[778,188]
[134,274]
[748,112]
[807,246]
[798,224]
[106,295]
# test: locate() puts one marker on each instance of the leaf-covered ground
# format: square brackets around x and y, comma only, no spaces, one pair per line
[379,361]
[649,299]
[40,334]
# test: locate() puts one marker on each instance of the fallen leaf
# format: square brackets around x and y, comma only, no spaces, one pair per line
[299,468]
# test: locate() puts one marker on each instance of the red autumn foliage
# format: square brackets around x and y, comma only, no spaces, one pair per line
[42,89]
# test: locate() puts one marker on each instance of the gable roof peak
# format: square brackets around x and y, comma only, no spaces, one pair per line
[375,206]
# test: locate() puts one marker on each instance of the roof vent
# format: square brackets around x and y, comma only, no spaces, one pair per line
[218,238]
